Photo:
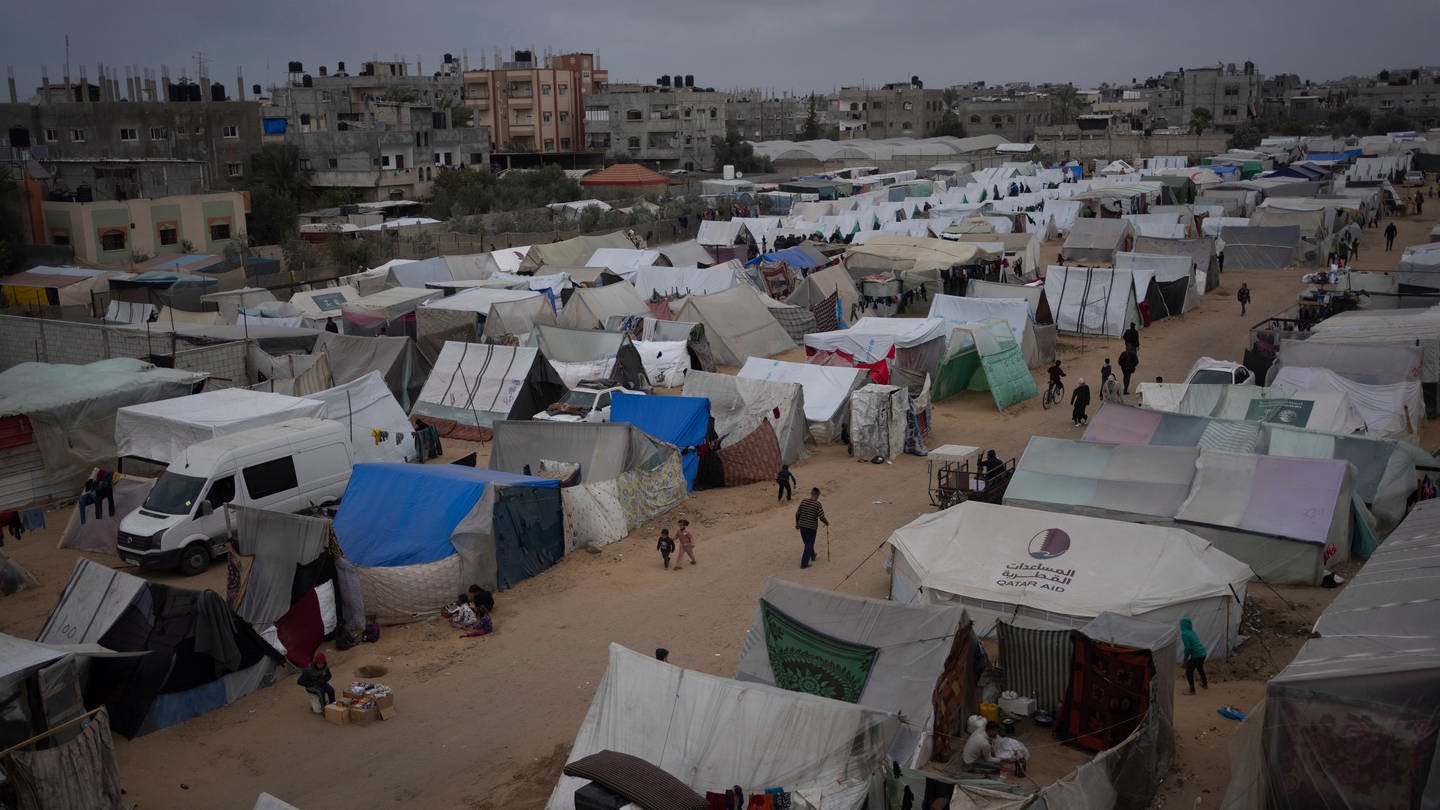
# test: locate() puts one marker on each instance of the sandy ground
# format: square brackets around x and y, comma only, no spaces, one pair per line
[486,722]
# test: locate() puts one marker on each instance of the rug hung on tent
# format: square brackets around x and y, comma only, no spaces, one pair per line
[805,660]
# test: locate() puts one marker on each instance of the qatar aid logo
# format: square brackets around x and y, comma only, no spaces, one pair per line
[1049,544]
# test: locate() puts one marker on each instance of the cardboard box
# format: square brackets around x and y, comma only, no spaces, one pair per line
[387,713]
[384,701]
[362,716]
[337,714]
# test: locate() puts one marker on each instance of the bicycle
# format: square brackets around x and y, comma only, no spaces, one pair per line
[1054,393]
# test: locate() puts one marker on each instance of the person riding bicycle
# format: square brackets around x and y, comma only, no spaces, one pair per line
[1055,374]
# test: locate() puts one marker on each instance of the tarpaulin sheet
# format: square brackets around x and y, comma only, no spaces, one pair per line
[681,421]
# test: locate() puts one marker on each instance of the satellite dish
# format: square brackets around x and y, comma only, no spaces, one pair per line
[739,175]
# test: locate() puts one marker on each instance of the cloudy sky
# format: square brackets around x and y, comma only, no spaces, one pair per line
[798,45]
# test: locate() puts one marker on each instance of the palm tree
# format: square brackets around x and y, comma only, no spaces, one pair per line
[1200,119]
[1063,99]
[276,168]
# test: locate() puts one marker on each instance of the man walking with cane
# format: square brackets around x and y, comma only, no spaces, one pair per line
[808,517]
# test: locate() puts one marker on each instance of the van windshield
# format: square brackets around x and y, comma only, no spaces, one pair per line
[174,494]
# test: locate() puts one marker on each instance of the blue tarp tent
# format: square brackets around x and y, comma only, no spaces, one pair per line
[681,421]
[796,257]
[422,533]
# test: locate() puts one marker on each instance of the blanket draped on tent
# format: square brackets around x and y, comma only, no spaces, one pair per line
[80,775]
[806,660]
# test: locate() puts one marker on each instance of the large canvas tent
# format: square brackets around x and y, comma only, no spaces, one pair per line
[579,354]
[677,282]
[194,655]
[517,319]
[159,431]
[973,311]
[679,421]
[822,753]
[916,344]
[827,391]
[1096,241]
[1056,571]
[460,316]
[421,533]
[58,420]
[741,406]
[375,420]
[1255,248]
[1369,672]
[1167,282]
[737,324]
[1329,411]
[1092,301]
[686,254]
[1385,469]
[592,307]
[473,385]
[795,635]
[572,252]
[1042,319]
[1279,515]
[1201,251]
[1394,410]
[985,357]
[621,476]
[824,288]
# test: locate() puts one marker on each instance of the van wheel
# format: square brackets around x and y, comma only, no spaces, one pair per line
[195,559]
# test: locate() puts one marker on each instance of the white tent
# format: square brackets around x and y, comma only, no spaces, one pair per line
[1174,291]
[591,307]
[1059,571]
[379,429]
[870,340]
[718,233]
[737,324]
[878,415]
[913,644]
[827,390]
[740,406]
[324,303]
[965,311]
[681,281]
[624,262]
[1394,410]
[1092,300]
[712,732]
[159,431]
[474,384]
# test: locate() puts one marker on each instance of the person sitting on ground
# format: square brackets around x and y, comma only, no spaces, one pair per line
[315,679]
[462,616]
[1009,749]
[481,598]
[978,755]
[484,626]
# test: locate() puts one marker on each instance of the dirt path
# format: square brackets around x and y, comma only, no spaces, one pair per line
[486,722]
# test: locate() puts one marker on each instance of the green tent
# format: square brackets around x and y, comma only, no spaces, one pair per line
[985,357]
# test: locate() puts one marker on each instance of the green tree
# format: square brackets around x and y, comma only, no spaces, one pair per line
[738,152]
[949,123]
[471,191]
[1246,136]
[1391,122]
[460,115]
[12,220]
[1200,119]
[1064,103]
[811,129]
[278,185]
[273,218]
[350,254]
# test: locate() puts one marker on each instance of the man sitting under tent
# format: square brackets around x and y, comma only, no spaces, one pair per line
[986,752]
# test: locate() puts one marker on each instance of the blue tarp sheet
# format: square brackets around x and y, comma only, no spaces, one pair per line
[274,126]
[681,421]
[794,256]
[404,514]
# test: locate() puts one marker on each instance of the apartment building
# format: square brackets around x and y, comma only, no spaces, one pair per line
[383,131]
[759,116]
[901,110]
[1233,96]
[110,232]
[662,127]
[1014,117]
[532,107]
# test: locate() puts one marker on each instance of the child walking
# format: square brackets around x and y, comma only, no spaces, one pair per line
[687,544]
[665,546]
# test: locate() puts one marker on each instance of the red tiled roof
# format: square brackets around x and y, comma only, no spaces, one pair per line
[625,174]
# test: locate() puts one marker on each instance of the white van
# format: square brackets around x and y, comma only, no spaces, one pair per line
[289,466]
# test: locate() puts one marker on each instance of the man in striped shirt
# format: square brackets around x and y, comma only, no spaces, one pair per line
[808,518]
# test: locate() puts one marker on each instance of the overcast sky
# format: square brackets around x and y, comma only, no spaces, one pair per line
[800,45]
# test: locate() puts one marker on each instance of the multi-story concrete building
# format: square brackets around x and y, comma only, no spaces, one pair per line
[114,149]
[533,108]
[1411,92]
[1014,117]
[757,116]
[1232,96]
[663,127]
[121,232]
[384,131]
[900,110]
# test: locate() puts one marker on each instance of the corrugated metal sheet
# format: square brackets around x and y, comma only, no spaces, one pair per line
[22,478]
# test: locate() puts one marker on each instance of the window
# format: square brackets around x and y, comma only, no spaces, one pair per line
[477,158]
[234,169]
[159,133]
[545,117]
[60,237]
[417,140]
[907,125]
[129,134]
[712,112]
[199,130]
[399,163]
[877,105]
[974,119]
[221,492]
[1232,90]
[112,239]
[385,160]
[333,163]
[549,144]
[854,107]
[634,115]
[270,477]
[564,116]
[686,113]
[52,136]
[1230,111]
[77,136]
[565,144]
[230,131]
[219,230]
[633,142]
[908,106]
[544,89]
[305,164]
[168,233]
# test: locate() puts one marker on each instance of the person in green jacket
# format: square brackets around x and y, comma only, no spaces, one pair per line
[1195,653]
